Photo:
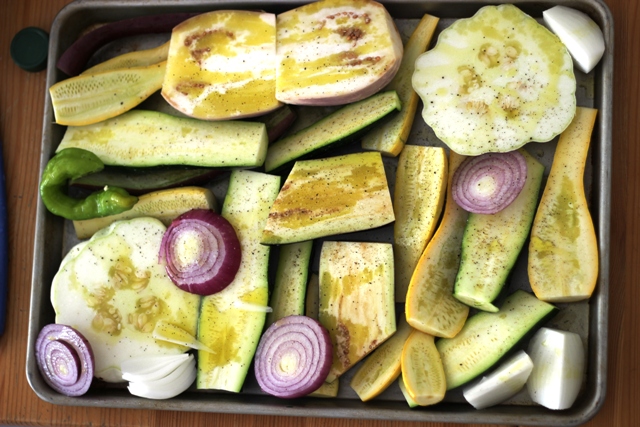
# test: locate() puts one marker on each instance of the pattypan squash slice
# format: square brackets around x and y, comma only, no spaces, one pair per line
[495,82]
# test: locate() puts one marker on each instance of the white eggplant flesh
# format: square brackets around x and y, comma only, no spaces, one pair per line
[502,384]
[579,33]
[558,368]
[169,385]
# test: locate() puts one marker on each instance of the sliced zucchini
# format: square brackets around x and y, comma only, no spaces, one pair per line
[312,308]
[430,306]
[92,98]
[139,181]
[491,243]
[330,196]
[288,296]
[421,185]
[165,205]
[356,299]
[149,138]
[389,138]
[382,367]
[487,337]
[342,126]
[422,370]
[231,321]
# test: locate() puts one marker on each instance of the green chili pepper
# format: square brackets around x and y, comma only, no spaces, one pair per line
[72,163]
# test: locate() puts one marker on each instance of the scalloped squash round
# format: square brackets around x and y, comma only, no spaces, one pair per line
[495,82]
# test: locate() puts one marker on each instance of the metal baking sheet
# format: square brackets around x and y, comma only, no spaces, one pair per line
[54,236]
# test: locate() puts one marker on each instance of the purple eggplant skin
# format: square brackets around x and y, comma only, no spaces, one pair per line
[75,58]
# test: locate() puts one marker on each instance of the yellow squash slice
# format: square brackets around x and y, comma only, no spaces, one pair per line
[421,185]
[430,306]
[422,369]
[563,251]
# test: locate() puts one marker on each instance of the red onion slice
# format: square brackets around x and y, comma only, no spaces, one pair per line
[201,251]
[488,183]
[293,357]
[65,359]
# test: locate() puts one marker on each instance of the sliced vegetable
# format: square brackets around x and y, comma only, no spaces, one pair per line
[311,309]
[65,359]
[293,357]
[74,59]
[382,367]
[563,251]
[403,388]
[151,368]
[169,332]
[165,205]
[491,243]
[487,337]
[222,65]
[113,291]
[335,52]
[422,370]
[170,385]
[139,181]
[74,163]
[558,368]
[330,196]
[342,126]
[389,138]
[135,59]
[201,252]
[142,138]
[501,384]
[496,93]
[356,299]
[430,306]
[488,183]
[289,289]
[420,189]
[278,121]
[231,321]
[92,98]
[580,34]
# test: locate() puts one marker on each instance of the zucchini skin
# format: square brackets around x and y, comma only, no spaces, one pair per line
[491,243]
[232,320]
[487,338]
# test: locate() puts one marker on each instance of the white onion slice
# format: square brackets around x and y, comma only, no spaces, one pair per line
[293,357]
[579,33]
[558,368]
[488,183]
[501,384]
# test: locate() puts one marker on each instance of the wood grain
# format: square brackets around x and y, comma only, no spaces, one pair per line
[21,107]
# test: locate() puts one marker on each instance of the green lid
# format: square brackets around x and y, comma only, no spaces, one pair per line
[29,49]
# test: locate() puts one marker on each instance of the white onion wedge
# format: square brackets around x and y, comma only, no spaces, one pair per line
[501,384]
[168,386]
[150,368]
[558,368]
[579,33]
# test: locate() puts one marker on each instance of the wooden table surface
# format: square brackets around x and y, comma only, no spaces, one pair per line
[21,111]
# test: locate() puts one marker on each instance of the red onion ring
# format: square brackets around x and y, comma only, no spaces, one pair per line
[293,357]
[65,359]
[215,259]
[488,183]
